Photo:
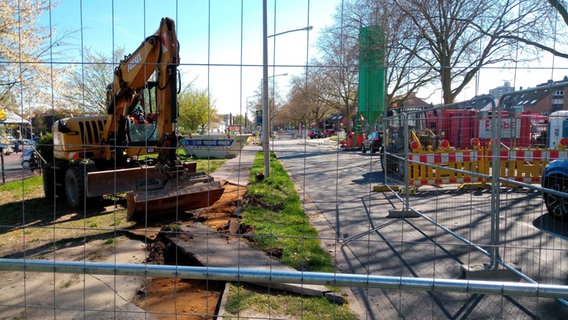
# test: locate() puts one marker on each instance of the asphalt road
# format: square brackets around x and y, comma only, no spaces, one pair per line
[11,169]
[357,231]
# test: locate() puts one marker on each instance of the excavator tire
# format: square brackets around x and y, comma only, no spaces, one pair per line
[75,186]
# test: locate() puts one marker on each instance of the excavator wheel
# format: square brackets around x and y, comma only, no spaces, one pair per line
[75,186]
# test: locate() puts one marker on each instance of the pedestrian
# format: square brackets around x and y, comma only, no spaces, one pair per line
[393,109]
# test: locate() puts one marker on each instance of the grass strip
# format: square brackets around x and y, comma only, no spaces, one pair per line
[280,225]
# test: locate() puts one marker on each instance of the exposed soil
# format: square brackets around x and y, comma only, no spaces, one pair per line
[169,298]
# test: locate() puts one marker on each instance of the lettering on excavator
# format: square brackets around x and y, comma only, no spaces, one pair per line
[134,62]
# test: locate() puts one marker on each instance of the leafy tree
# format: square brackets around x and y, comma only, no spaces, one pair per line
[196,110]
[239,120]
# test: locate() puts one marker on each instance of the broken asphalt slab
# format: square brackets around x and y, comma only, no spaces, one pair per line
[213,249]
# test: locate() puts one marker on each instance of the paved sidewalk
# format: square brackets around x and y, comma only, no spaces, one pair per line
[237,170]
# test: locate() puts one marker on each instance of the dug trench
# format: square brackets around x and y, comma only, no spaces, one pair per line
[167,298]
[211,237]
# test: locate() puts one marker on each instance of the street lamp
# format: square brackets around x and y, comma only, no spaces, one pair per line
[265,109]
[308,28]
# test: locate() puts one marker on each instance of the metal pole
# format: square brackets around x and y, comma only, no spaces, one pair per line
[282,276]
[406,152]
[2,164]
[265,109]
[495,183]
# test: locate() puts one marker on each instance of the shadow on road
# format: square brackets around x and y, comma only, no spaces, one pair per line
[549,224]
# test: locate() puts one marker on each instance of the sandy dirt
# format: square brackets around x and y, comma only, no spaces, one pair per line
[191,299]
[181,299]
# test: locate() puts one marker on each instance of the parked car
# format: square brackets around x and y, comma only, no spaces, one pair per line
[555,177]
[372,142]
[329,132]
[29,159]
[315,134]
[6,149]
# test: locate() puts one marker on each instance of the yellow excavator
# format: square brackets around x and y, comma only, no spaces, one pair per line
[111,154]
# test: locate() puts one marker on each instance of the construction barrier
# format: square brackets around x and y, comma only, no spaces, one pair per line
[421,171]
[519,165]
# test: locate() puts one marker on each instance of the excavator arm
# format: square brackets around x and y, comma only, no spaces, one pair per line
[159,54]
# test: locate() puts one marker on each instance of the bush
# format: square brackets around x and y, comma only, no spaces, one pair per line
[45,147]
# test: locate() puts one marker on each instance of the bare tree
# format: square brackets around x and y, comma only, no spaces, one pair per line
[337,70]
[90,79]
[464,36]
[405,72]
[551,35]
[305,105]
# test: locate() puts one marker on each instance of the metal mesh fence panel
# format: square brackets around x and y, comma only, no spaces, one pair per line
[148,191]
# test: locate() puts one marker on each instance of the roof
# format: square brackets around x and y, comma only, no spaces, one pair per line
[11,117]
[526,98]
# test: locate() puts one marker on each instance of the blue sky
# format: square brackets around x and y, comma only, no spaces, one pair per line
[214,52]
[217,56]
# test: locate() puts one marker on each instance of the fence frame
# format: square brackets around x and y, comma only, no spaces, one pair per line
[494,177]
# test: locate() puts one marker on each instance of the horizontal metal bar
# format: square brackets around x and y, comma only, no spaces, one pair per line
[279,276]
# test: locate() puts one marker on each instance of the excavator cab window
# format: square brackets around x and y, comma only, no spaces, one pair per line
[141,131]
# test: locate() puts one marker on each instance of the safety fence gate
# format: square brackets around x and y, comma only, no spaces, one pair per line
[473,172]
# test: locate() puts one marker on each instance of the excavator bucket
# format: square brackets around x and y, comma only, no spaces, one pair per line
[187,192]
[123,180]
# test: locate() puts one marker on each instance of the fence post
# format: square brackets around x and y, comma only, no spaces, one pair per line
[495,184]
[406,139]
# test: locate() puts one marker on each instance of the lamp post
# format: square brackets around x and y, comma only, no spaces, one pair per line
[265,109]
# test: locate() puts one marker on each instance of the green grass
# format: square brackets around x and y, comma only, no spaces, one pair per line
[209,165]
[16,188]
[275,213]
[283,305]
[203,165]
[280,223]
